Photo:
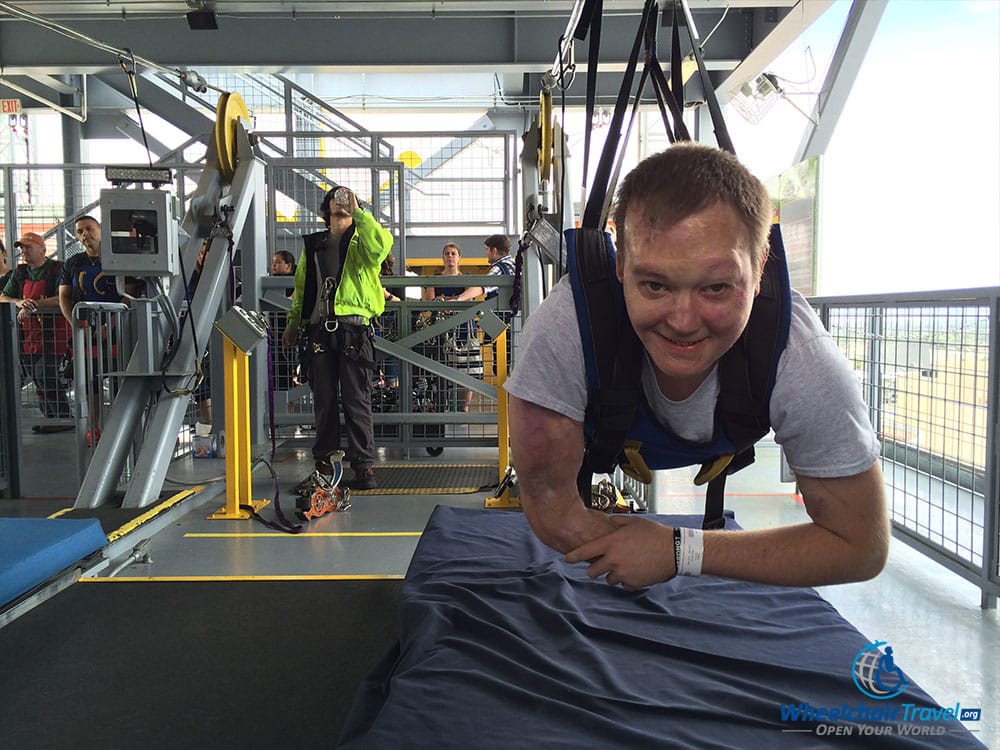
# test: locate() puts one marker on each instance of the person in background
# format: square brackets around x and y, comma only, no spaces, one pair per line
[83,279]
[5,269]
[451,257]
[461,345]
[283,263]
[693,227]
[337,297]
[33,289]
[501,264]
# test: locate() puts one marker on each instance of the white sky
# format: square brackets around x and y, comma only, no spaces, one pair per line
[911,192]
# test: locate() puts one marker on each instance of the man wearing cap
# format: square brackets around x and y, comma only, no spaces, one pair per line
[337,295]
[33,289]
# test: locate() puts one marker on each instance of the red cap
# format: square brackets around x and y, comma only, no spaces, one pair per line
[30,238]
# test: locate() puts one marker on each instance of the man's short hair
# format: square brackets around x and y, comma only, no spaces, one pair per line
[86,217]
[690,177]
[499,242]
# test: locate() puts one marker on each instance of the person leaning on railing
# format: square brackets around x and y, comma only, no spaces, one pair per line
[33,288]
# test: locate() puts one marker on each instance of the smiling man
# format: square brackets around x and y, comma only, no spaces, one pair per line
[693,229]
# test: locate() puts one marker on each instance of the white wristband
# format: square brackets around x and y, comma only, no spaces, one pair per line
[692,551]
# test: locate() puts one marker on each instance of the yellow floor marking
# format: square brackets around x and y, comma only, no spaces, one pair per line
[154,579]
[279,535]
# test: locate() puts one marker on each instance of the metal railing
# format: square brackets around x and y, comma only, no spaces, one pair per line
[928,366]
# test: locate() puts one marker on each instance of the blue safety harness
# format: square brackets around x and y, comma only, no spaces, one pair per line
[619,427]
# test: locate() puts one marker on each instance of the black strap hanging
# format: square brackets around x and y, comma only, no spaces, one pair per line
[593,214]
[591,21]
[711,99]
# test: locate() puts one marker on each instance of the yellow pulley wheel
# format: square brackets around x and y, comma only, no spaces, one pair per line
[230,108]
[545,128]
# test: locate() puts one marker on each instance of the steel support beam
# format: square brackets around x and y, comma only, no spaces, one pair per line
[859,30]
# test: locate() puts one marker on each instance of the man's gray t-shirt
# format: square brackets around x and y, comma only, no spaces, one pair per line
[817,413]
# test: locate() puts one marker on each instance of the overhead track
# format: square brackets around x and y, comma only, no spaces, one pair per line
[189,78]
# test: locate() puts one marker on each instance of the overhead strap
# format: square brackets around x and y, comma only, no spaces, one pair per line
[711,99]
[676,63]
[593,214]
[592,10]
[665,93]
[612,404]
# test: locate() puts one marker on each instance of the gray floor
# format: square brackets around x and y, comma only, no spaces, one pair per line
[941,637]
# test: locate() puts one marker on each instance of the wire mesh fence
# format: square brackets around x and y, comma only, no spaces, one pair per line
[927,365]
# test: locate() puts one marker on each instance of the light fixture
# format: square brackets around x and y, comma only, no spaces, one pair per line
[123,174]
[755,98]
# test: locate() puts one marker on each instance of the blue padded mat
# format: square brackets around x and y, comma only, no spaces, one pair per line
[503,644]
[32,550]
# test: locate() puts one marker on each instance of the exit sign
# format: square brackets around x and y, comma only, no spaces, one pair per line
[10,106]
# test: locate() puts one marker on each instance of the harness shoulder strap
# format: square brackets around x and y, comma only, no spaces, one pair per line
[612,352]
[747,373]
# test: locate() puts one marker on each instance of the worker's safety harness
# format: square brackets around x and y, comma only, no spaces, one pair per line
[619,427]
[346,335]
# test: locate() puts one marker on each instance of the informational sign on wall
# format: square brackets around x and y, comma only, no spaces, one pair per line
[795,195]
[10,106]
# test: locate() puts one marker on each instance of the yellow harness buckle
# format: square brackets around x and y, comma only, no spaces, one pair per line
[710,471]
[635,466]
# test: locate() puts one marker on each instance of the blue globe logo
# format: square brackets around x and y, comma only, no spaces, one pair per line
[876,674]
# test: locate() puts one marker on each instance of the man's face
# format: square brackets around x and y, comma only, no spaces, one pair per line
[689,288]
[88,233]
[492,254]
[33,255]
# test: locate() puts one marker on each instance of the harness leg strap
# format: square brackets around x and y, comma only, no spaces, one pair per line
[714,501]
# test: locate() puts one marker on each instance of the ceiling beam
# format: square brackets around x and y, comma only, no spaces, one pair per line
[346,44]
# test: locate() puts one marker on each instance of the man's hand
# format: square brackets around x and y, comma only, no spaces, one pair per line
[289,336]
[638,553]
[27,305]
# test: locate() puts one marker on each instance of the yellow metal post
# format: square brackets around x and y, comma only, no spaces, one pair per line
[239,487]
[503,426]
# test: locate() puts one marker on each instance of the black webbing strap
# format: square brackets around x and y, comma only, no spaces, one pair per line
[282,524]
[593,214]
[676,64]
[590,20]
[616,356]
[665,98]
[715,492]
[711,99]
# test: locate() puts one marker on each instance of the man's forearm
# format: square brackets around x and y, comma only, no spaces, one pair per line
[801,555]
[66,303]
[546,450]
[847,541]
